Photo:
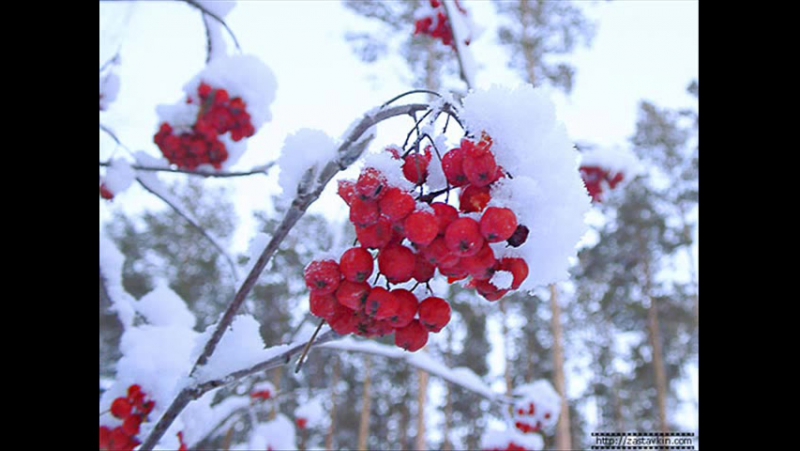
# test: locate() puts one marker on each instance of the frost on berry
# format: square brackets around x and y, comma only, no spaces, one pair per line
[352,295]
[396,204]
[412,337]
[463,237]
[397,263]
[323,305]
[371,184]
[347,191]
[498,224]
[323,277]
[364,213]
[356,264]
[434,313]
[421,227]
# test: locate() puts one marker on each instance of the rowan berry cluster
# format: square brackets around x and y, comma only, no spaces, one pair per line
[218,114]
[597,179]
[435,23]
[133,411]
[411,237]
[528,419]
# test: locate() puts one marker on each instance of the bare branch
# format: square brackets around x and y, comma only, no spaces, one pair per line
[146,185]
[349,151]
[254,171]
[217,18]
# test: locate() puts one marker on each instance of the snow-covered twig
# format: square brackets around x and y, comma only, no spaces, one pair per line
[151,185]
[205,11]
[348,152]
[220,174]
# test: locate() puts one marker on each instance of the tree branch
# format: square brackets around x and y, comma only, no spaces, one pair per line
[147,186]
[256,170]
[217,18]
[349,151]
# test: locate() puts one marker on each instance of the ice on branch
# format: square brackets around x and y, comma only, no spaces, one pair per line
[545,188]
[303,150]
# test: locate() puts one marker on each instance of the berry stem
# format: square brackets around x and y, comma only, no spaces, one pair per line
[308,346]
[407,93]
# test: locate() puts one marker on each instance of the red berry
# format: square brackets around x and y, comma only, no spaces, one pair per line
[352,295]
[480,265]
[131,424]
[105,193]
[407,306]
[518,268]
[105,437]
[453,167]
[439,255]
[498,224]
[323,276]
[445,214]
[423,269]
[474,198]
[371,184]
[204,91]
[363,213]
[356,264]
[434,313]
[396,204]
[323,305]
[121,408]
[302,423]
[396,263]
[463,237]
[415,167]
[488,290]
[376,236]
[411,337]
[519,237]
[477,149]
[421,227]
[480,171]
[381,303]
[345,321]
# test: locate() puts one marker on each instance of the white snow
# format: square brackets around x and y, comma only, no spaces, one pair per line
[390,167]
[119,176]
[303,150]
[545,400]
[546,192]
[502,279]
[501,439]
[163,307]
[240,347]
[111,262]
[109,89]
[311,410]
[278,434]
[215,29]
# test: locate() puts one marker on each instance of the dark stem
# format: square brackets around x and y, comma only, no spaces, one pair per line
[413,91]
[217,18]
[308,346]
[256,170]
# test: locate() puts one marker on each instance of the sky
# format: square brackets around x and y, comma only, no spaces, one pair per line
[643,50]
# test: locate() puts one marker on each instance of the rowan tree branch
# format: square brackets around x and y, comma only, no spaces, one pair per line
[254,171]
[217,18]
[349,151]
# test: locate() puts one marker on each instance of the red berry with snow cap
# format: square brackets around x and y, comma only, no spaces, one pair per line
[371,184]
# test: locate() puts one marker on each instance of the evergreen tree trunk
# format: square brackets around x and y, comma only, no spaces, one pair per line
[366,405]
[563,438]
[334,383]
[421,400]
[506,351]
[277,382]
[448,407]
[655,344]
[530,49]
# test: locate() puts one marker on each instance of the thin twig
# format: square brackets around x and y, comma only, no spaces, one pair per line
[194,224]
[308,346]
[254,171]
[349,151]
[413,91]
[217,18]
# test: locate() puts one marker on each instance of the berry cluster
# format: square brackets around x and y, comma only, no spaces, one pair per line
[413,237]
[219,114]
[511,447]
[436,26]
[596,179]
[132,410]
[527,419]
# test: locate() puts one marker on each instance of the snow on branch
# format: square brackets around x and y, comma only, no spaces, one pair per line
[461,376]
[262,169]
